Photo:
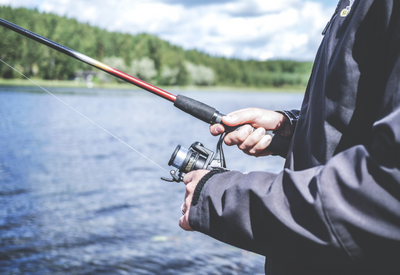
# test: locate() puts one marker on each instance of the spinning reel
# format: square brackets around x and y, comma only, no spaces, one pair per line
[195,158]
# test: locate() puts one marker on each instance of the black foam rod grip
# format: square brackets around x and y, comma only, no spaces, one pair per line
[197,109]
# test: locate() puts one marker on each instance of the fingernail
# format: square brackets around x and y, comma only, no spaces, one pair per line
[267,139]
[248,129]
[219,130]
[261,131]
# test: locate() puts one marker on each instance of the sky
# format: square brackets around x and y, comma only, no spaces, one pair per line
[244,29]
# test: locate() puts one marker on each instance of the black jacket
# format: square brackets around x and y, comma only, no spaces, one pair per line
[335,208]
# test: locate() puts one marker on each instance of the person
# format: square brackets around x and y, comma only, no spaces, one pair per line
[335,207]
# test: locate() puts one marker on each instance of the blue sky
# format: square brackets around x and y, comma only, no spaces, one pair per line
[245,29]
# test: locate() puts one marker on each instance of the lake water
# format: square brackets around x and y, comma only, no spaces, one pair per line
[75,200]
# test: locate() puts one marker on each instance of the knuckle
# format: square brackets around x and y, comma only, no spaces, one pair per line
[242,147]
[253,151]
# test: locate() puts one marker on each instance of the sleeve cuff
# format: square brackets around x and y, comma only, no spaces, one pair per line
[292,116]
[202,182]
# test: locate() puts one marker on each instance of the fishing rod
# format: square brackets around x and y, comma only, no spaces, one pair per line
[197,156]
[191,106]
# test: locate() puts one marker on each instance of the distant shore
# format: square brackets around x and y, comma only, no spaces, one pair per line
[127,86]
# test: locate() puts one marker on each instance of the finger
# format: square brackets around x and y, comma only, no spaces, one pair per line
[217,129]
[186,194]
[243,116]
[183,208]
[256,117]
[194,176]
[184,222]
[239,136]
[191,179]
[252,139]
[188,178]
[260,148]
[189,193]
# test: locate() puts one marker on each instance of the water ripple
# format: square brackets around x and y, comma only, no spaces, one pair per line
[75,201]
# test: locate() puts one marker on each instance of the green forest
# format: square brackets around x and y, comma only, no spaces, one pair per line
[144,56]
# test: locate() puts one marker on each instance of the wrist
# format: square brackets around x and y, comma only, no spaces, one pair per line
[289,121]
[202,182]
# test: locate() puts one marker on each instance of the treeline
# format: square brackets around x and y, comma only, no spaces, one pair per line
[142,55]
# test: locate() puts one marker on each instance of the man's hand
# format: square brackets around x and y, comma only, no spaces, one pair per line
[251,142]
[191,179]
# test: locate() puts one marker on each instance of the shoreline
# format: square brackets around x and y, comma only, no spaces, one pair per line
[128,86]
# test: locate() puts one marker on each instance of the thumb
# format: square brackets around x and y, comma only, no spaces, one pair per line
[230,120]
[243,116]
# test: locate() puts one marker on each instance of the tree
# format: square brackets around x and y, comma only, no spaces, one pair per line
[143,68]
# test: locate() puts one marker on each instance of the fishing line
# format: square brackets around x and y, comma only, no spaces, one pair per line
[72,108]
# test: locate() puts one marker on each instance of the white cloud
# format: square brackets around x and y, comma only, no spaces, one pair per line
[257,29]
[18,3]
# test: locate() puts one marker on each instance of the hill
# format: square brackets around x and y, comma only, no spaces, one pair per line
[143,55]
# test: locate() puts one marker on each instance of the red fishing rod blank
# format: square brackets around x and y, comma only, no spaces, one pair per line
[88,60]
